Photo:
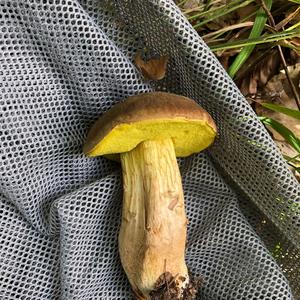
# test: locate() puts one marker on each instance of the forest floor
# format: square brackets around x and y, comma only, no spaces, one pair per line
[258,44]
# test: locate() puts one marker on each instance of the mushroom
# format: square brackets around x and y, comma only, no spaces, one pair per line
[148,132]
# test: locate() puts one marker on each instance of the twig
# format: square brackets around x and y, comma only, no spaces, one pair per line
[270,17]
[228,28]
[174,278]
[287,19]
[291,159]
[293,166]
[272,23]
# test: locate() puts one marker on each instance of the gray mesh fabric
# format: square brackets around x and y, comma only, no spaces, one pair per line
[64,62]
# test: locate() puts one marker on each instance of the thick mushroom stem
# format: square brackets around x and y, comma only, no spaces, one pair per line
[153,231]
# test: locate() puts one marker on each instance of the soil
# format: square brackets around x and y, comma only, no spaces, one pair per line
[167,288]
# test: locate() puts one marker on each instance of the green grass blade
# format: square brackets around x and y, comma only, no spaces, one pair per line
[215,10]
[222,12]
[281,109]
[257,29]
[294,26]
[295,1]
[274,37]
[292,159]
[287,134]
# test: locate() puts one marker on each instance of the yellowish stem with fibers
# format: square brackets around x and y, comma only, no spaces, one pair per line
[153,230]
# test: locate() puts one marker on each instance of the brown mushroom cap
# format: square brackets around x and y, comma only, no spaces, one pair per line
[151,116]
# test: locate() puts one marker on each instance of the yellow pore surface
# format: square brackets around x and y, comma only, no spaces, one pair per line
[188,136]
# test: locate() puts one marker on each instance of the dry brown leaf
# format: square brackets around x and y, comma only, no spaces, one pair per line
[224,57]
[278,91]
[232,19]
[260,73]
[152,69]
[296,43]
[246,11]
[191,4]
[287,150]
[223,21]
[295,57]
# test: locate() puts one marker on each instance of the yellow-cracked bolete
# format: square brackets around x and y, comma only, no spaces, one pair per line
[148,131]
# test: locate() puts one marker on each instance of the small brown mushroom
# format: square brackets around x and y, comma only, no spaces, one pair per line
[148,131]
